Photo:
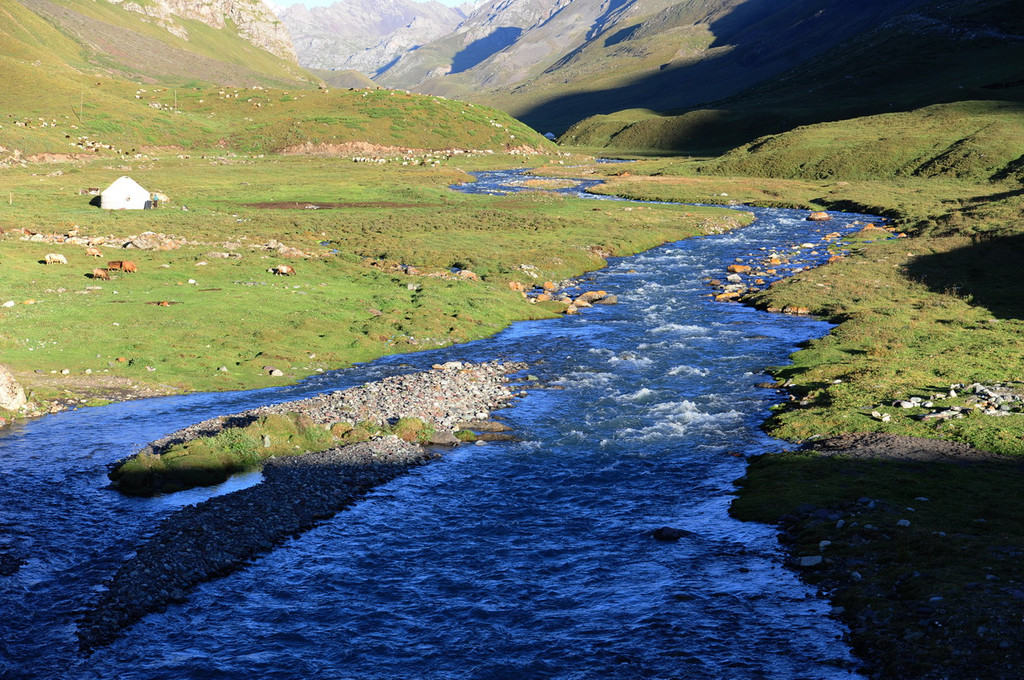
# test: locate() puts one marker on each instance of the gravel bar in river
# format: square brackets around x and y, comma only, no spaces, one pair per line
[201,542]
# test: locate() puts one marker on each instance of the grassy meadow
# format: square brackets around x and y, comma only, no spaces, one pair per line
[190,312]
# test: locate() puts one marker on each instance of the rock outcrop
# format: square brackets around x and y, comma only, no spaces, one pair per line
[12,395]
[253,19]
[365,35]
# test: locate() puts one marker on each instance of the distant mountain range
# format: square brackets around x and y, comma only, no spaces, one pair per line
[694,76]
[366,35]
[554,62]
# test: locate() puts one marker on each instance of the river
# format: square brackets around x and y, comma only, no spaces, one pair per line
[528,559]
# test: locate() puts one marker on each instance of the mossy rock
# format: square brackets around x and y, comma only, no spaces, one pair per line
[340,429]
[355,435]
[555,306]
[409,429]
[274,423]
[465,436]
[302,422]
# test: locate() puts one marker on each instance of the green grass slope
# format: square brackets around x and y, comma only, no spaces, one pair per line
[975,140]
[98,37]
[116,118]
[937,53]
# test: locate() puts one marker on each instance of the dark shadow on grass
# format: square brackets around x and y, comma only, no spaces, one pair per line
[1002,195]
[986,270]
[919,542]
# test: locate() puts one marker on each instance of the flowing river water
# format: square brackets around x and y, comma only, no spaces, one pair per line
[529,559]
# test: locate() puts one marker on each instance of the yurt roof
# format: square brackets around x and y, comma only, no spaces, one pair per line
[126,184]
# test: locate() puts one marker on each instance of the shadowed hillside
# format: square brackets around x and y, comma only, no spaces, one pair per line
[971,140]
[956,51]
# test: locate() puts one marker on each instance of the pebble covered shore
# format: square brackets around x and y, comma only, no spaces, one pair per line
[201,542]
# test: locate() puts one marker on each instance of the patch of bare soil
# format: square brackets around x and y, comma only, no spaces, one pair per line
[57,157]
[900,447]
[72,390]
[346,149]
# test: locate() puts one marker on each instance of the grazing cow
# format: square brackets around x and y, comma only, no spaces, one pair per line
[282,270]
[126,266]
[93,252]
[100,274]
[55,258]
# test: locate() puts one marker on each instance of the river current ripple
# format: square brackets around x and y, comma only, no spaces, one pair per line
[530,559]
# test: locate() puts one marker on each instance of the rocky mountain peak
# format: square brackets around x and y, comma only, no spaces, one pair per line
[365,35]
[254,20]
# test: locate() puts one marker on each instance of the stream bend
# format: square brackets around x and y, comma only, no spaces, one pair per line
[512,560]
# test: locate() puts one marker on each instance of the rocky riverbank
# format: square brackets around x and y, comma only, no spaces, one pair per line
[199,543]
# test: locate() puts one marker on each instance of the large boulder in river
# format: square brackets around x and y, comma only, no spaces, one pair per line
[670,533]
[820,216]
[591,296]
[12,395]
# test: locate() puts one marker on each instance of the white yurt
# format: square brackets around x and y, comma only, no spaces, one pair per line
[125,194]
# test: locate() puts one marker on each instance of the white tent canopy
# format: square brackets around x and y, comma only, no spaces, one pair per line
[124,194]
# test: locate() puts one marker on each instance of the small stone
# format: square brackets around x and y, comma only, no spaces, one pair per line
[670,533]
[810,561]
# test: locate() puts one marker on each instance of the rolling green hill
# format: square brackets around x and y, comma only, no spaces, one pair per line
[90,78]
[973,140]
[930,54]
